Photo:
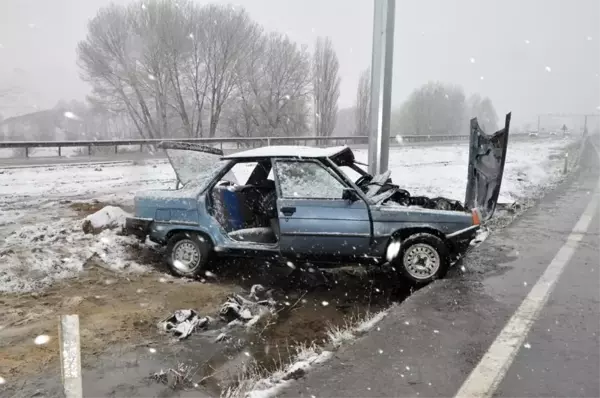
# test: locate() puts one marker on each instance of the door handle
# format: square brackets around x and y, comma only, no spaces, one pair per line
[288,211]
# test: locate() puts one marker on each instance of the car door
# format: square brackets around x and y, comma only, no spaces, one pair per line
[315,221]
[487,155]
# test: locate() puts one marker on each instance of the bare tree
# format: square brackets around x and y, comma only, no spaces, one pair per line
[326,87]
[227,38]
[363,103]
[484,111]
[433,109]
[274,87]
[109,61]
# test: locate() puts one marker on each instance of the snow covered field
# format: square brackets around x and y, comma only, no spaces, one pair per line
[43,242]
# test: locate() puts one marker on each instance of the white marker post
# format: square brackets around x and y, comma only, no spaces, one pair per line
[70,356]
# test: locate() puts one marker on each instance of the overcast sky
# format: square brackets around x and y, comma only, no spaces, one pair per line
[530,56]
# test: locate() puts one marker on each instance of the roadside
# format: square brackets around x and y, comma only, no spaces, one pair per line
[128,325]
[429,344]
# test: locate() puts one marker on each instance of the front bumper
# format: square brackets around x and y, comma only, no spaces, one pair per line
[460,240]
[137,226]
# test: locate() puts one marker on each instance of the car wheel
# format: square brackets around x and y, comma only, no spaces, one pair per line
[423,258]
[187,254]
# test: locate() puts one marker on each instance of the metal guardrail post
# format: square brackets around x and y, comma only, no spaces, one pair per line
[59,152]
[26,152]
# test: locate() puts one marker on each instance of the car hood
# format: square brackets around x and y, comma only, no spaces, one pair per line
[487,155]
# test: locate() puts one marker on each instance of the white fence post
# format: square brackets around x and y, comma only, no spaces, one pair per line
[70,356]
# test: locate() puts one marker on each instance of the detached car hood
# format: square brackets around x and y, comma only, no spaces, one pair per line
[487,155]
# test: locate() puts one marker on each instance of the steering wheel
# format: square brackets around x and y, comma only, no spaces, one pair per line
[362,179]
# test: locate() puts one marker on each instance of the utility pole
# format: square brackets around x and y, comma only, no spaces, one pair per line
[382,59]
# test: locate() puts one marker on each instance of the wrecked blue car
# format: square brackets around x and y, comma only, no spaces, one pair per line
[299,205]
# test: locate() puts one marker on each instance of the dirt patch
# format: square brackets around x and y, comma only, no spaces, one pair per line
[86,208]
[113,309]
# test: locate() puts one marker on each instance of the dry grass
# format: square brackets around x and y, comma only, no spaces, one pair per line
[113,309]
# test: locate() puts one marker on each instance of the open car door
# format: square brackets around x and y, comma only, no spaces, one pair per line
[191,161]
[487,155]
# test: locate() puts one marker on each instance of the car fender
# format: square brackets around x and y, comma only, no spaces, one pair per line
[162,231]
[402,232]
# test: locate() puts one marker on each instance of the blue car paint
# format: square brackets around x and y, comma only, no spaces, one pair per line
[334,227]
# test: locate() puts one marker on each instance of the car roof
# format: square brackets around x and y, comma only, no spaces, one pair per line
[287,151]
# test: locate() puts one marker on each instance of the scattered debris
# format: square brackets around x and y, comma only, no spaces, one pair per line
[238,309]
[183,323]
[222,337]
[180,377]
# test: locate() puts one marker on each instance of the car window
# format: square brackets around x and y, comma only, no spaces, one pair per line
[240,172]
[307,180]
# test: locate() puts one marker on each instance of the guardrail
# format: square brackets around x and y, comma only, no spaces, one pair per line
[242,142]
[239,142]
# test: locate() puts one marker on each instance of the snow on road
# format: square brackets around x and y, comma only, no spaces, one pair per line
[33,200]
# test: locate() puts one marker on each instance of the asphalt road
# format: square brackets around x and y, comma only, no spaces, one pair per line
[429,345]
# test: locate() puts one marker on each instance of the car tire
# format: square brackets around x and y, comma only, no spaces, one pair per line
[187,254]
[422,258]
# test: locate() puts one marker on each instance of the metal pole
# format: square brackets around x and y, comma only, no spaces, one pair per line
[384,17]
[538,129]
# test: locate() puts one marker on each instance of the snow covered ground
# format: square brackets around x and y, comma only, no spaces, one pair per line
[41,240]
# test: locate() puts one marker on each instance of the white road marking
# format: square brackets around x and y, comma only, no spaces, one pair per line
[489,372]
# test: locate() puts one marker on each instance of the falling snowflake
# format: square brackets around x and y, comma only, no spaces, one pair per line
[71,115]
[462,268]
[392,250]
[2,380]
[406,323]
[527,345]
[589,38]
[246,353]
[408,368]
[481,77]
[162,280]
[143,6]
[524,283]
[527,42]
[209,274]
[291,265]
[380,351]
[399,139]
[152,350]
[472,60]
[151,77]
[325,303]
[191,35]
[42,339]
[377,290]
[548,69]
[436,331]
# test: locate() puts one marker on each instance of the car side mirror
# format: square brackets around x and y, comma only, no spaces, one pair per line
[349,194]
